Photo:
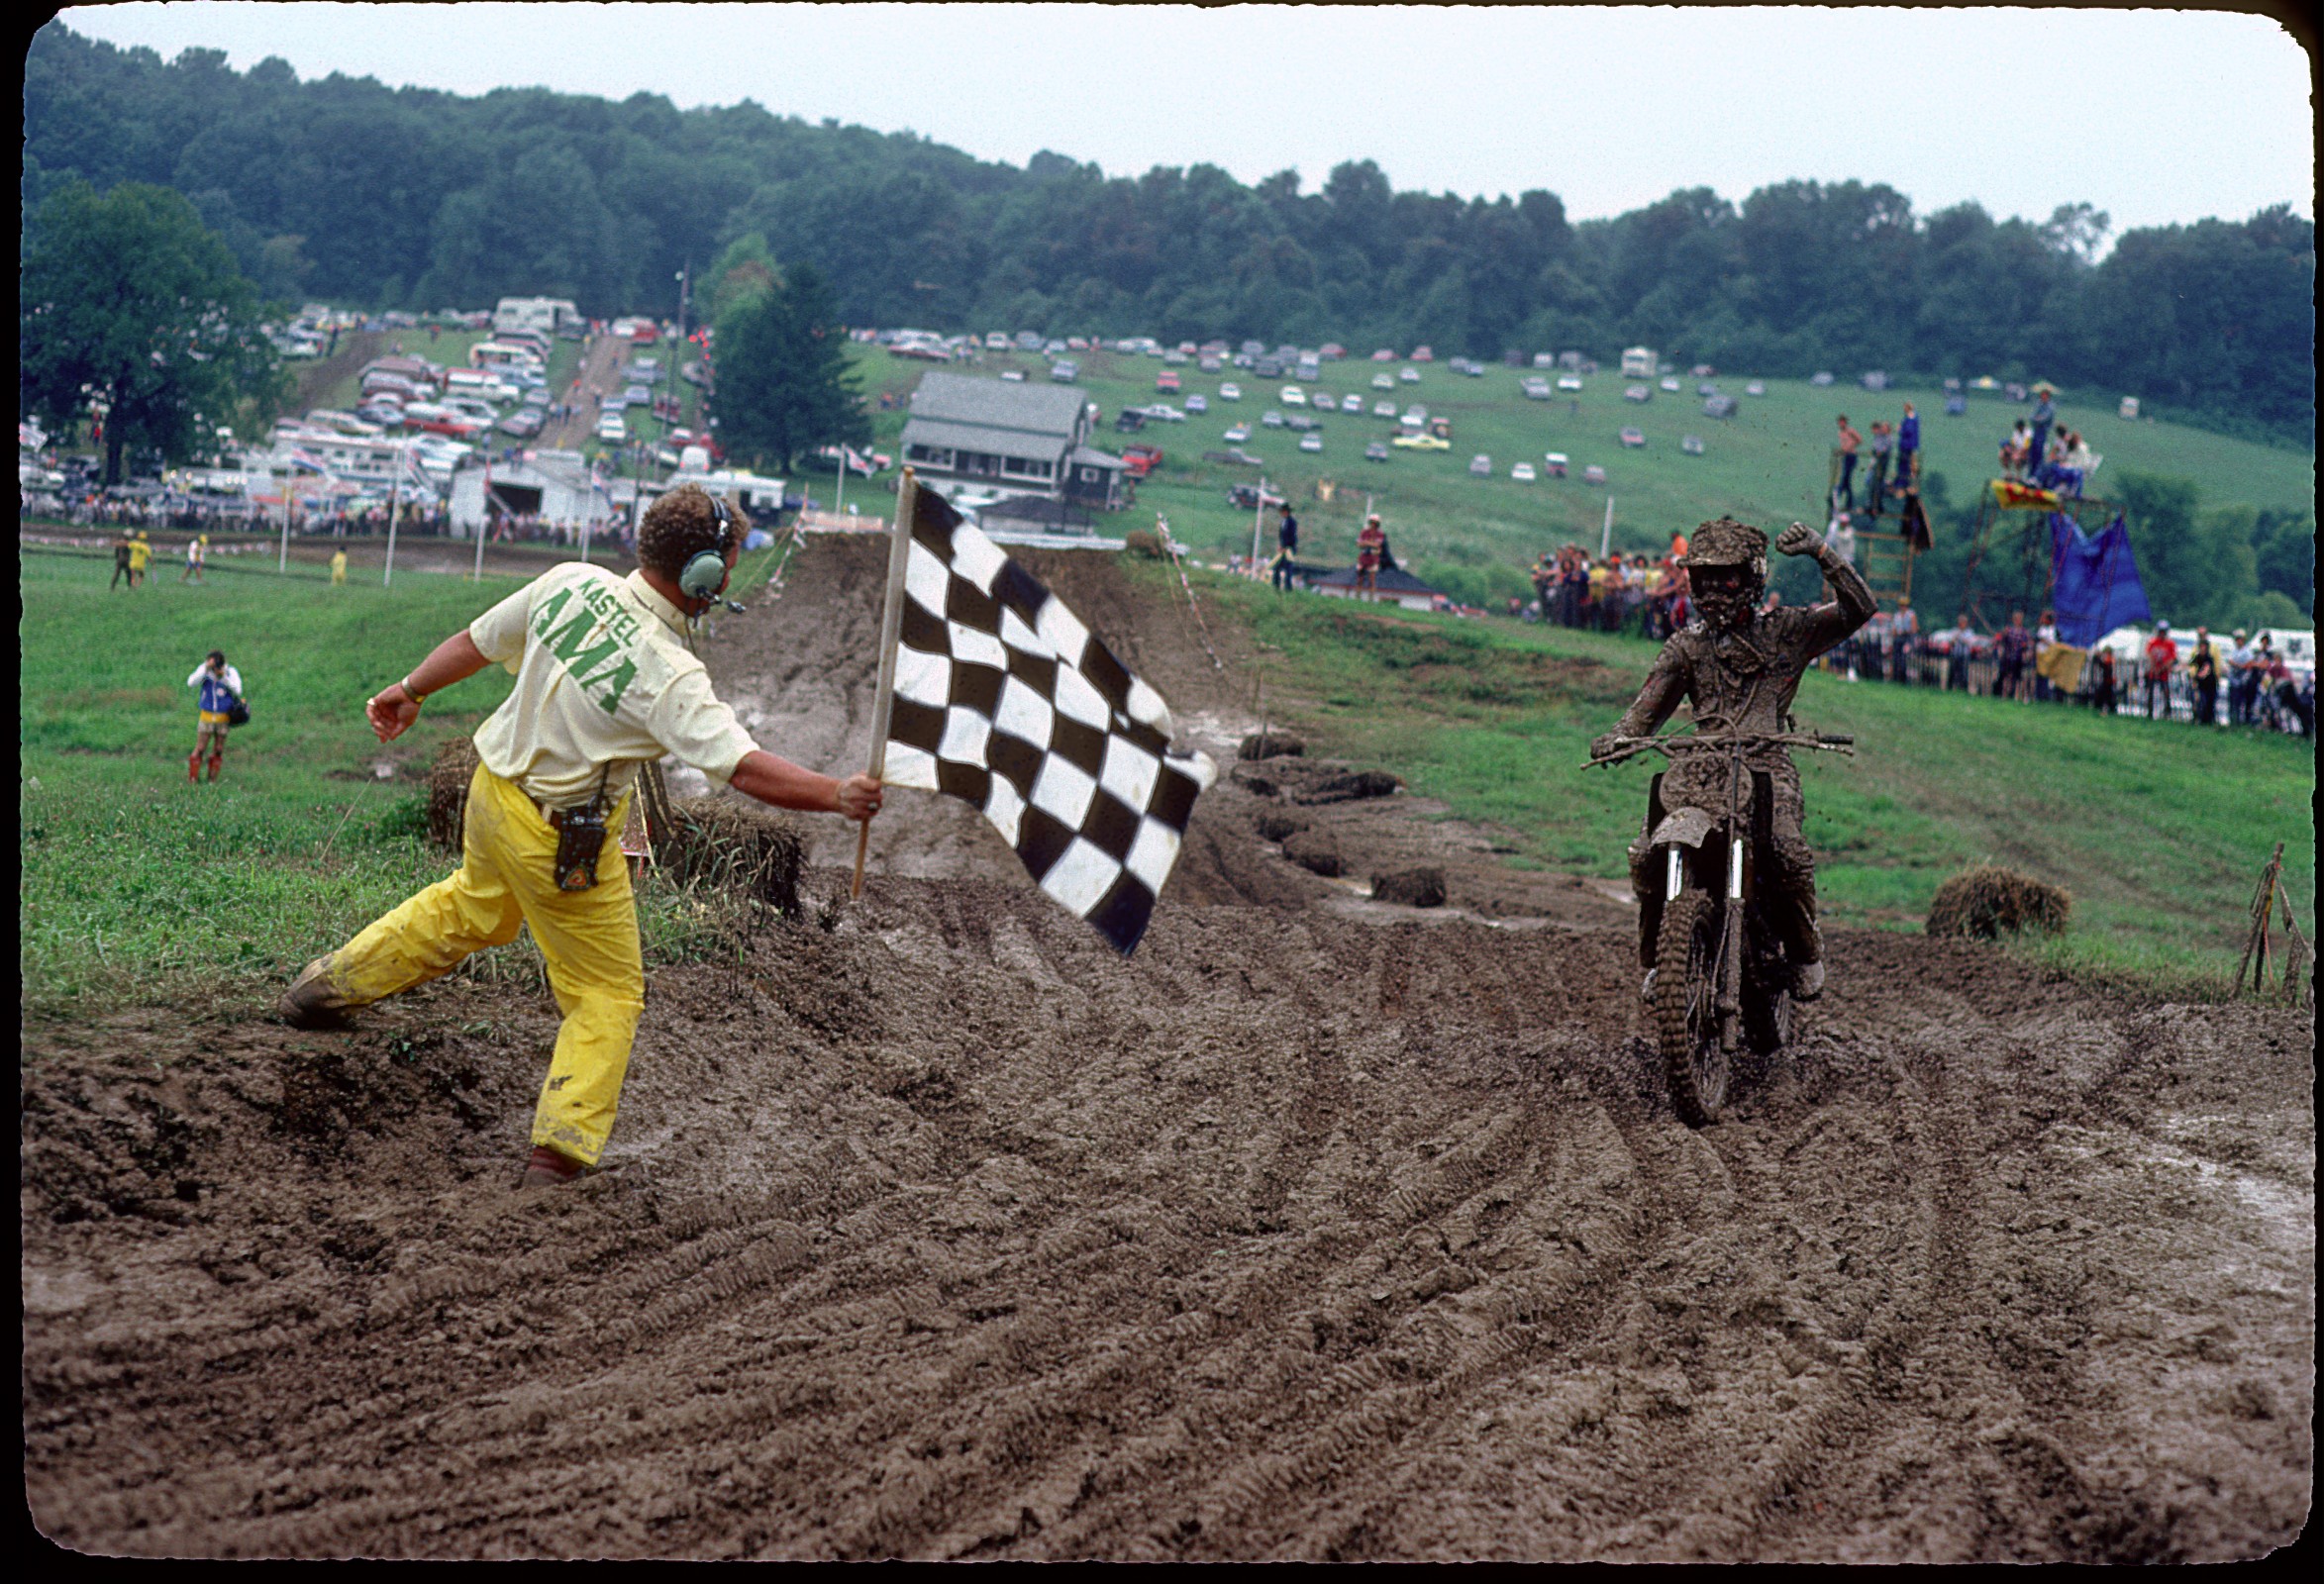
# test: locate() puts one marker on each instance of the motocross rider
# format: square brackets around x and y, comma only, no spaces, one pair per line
[1739,667]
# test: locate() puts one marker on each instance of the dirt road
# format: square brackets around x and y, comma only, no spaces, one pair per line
[1319,1229]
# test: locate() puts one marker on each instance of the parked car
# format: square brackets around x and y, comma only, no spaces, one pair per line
[1482,466]
[1129,420]
[612,426]
[1384,381]
[1164,412]
[1140,461]
[1692,444]
[1594,474]
[1237,435]
[1351,403]
[1016,375]
[1311,443]
[1421,355]
[1633,438]
[1198,403]
[1569,382]
[1636,393]
[1421,442]
[1719,406]
[1065,371]
[1229,392]
[1409,375]
[1537,389]
[1267,368]
[1292,396]
[1820,378]
[1376,451]
[1384,355]
[1705,371]
[1670,383]
[1250,497]
[1271,419]
[1300,422]
[1383,408]
[1554,465]
[1166,380]
[1758,387]
[1522,473]
[524,423]
[1706,390]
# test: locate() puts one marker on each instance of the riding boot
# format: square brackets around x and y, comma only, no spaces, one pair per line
[193,766]
[216,760]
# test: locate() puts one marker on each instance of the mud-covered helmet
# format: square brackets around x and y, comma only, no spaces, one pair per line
[1727,542]
[1726,569]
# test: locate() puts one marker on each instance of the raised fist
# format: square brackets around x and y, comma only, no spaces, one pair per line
[1800,540]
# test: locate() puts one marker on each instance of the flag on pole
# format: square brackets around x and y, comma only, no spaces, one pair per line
[1004,700]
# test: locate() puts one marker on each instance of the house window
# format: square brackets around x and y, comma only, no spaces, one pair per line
[1090,475]
[932,455]
[1022,466]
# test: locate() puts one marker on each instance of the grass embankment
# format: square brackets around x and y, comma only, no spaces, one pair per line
[1769,464]
[2158,829]
[136,886]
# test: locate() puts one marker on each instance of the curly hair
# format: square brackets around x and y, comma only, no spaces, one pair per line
[679,527]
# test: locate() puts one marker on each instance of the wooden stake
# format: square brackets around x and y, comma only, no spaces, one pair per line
[891,626]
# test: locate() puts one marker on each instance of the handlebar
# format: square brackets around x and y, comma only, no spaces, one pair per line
[1828,741]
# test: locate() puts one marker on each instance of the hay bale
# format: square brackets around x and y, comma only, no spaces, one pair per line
[1985,901]
[1280,827]
[1142,542]
[1414,888]
[1269,746]
[1348,787]
[448,792]
[733,848]
[1316,852]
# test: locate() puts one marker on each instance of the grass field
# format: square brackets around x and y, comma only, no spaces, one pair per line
[135,883]
[1768,464]
[2159,831]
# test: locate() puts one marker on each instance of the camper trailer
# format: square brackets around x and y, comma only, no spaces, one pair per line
[548,315]
[1640,362]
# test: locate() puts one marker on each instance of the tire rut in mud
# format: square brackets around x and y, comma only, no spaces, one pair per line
[946,1232]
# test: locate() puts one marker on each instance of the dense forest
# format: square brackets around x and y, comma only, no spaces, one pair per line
[347,190]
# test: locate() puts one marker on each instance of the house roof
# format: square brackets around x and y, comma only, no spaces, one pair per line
[1393,581]
[1091,456]
[968,436]
[998,404]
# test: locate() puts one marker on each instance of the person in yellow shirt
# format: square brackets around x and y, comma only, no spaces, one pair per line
[339,568]
[140,550]
[607,681]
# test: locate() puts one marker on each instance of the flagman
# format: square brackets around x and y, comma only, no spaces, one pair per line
[607,680]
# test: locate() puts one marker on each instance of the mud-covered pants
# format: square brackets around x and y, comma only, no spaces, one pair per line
[1786,878]
[588,940]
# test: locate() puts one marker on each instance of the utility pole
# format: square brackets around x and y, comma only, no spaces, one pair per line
[1606,540]
[394,496]
[1258,519]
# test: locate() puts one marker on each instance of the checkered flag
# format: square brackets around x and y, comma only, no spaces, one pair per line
[1005,700]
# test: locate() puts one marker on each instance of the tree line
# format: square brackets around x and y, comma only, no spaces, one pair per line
[345,189]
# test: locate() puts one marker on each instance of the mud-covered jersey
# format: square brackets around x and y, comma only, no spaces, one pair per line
[604,678]
[1743,678]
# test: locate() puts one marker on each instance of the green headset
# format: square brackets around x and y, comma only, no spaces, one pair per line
[704,576]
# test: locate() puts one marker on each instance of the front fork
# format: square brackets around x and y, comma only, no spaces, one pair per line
[1729,967]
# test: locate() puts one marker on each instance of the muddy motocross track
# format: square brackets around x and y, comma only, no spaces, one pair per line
[1320,1228]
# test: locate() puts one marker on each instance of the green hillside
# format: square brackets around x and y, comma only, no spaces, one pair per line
[1768,464]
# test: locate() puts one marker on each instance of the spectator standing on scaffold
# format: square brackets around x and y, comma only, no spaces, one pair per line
[1844,494]
[1908,447]
[2044,414]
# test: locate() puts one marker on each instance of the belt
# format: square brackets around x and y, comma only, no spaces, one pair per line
[558,816]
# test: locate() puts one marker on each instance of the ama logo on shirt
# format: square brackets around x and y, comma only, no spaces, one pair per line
[596,646]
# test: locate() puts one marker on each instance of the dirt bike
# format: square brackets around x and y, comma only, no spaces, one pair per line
[1721,976]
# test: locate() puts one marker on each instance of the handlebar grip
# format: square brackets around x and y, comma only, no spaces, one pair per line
[1835,740]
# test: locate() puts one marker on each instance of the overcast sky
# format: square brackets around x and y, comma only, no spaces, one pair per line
[2155,117]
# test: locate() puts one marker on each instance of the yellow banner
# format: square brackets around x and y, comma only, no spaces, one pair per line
[2061,665]
[2010,495]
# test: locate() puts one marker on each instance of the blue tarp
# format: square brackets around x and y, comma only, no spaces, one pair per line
[2095,585]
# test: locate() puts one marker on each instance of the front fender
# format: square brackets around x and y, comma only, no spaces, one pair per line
[1683,827]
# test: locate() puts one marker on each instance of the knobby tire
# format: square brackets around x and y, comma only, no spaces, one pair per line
[1687,1017]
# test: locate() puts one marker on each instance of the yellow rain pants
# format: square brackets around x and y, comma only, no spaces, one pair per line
[588,939]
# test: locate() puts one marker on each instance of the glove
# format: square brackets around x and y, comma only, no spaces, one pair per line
[1602,746]
[1800,540]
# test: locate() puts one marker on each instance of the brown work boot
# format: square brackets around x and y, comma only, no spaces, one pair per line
[310,1002]
[548,1167]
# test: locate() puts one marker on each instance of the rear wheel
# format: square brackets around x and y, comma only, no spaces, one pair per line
[1687,1017]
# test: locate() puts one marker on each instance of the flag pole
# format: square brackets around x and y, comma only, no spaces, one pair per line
[891,626]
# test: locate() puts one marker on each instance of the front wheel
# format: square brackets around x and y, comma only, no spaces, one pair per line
[1686,1015]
